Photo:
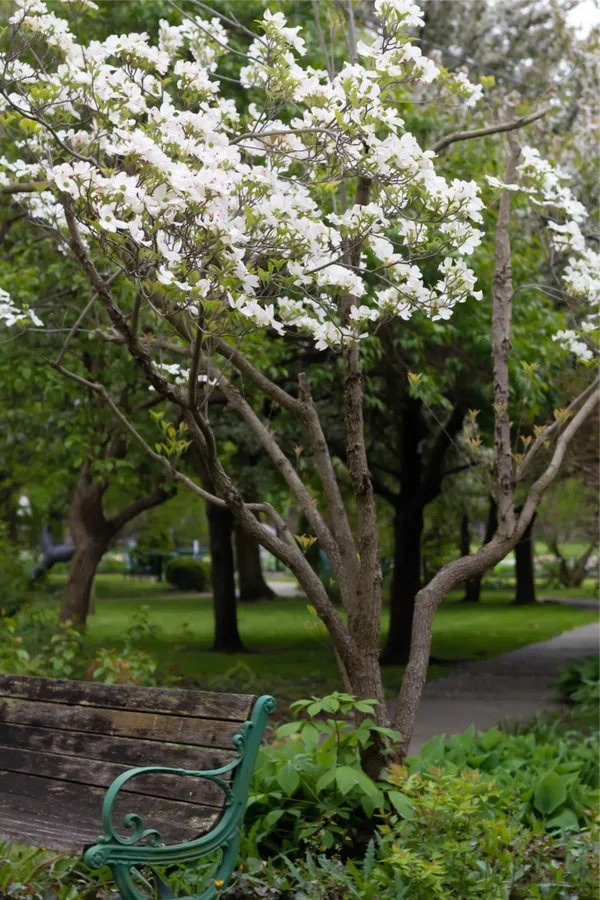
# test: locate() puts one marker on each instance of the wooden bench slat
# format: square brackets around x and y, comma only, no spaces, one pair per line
[195,704]
[149,726]
[102,774]
[35,830]
[80,805]
[111,748]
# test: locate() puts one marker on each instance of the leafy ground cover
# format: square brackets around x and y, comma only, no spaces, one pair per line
[493,816]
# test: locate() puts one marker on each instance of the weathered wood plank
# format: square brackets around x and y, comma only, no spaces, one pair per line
[196,704]
[79,805]
[102,774]
[50,832]
[148,726]
[110,748]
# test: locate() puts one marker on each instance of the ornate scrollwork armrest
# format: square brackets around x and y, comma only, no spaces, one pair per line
[132,820]
[143,845]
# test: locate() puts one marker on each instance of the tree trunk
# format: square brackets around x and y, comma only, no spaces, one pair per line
[91,534]
[76,599]
[408,529]
[524,553]
[252,584]
[473,586]
[573,574]
[406,581]
[220,524]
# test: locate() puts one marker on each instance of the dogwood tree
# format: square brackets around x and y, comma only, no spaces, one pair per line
[308,217]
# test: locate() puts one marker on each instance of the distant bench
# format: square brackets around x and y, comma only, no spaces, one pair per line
[66,752]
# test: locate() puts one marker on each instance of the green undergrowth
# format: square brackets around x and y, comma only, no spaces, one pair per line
[499,815]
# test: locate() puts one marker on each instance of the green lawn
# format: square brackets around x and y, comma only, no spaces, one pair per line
[289,654]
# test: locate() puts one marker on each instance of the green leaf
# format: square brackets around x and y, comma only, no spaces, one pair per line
[549,793]
[325,780]
[288,778]
[288,729]
[401,804]
[346,778]
[310,736]
[273,817]
[566,819]
[434,748]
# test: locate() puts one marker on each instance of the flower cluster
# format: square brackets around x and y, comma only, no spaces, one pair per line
[546,187]
[10,314]
[216,214]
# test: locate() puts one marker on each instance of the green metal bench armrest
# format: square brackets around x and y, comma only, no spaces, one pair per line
[123,853]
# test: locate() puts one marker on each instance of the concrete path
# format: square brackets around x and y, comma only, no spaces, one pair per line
[514,686]
[579,602]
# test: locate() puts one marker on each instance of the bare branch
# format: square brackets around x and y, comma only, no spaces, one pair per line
[349,14]
[321,37]
[545,480]
[138,349]
[23,187]
[459,570]
[79,320]
[134,509]
[551,430]
[490,129]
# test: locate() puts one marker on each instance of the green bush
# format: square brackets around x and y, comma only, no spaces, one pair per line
[580,684]
[187,574]
[493,816]
[15,576]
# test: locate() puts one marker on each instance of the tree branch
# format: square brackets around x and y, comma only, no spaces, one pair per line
[463,569]
[544,481]
[23,187]
[490,129]
[501,327]
[134,509]
[551,430]
[321,37]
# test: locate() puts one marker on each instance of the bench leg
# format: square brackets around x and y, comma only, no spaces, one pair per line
[129,891]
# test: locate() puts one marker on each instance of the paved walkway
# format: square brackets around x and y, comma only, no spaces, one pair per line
[514,686]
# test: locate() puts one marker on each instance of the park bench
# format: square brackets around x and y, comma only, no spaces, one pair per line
[164,773]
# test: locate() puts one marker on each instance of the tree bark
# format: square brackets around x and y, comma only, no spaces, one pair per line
[473,586]
[408,528]
[91,535]
[76,599]
[252,584]
[572,574]
[524,568]
[220,523]
[406,581]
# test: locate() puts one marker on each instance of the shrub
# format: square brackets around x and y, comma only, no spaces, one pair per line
[187,574]
[129,665]
[491,816]
[14,579]
[580,684]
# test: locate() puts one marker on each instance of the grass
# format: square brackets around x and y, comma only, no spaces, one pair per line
[289,654]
